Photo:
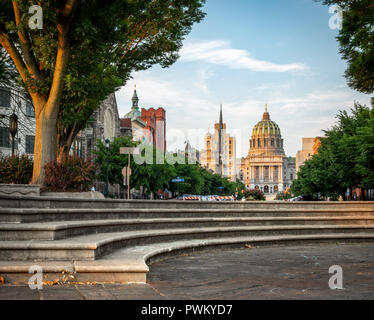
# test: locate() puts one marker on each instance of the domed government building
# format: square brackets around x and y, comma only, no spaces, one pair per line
[267,168]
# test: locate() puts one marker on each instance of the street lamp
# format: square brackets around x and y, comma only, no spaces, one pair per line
[13,128]
[107,145]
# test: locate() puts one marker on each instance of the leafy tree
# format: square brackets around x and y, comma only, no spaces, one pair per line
[356,40]
[345,158]
[85,51]
[116,160]
[151,177]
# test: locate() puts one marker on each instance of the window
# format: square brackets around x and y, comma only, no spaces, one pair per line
[272,142]
[4,137]
[265,143]
[4,98]
[291,176]
[30,141]
[259,143]
[30,110]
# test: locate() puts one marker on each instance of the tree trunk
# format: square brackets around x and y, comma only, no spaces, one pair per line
[45,145]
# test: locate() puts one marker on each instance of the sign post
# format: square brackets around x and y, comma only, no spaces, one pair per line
[178,181]
[126,172]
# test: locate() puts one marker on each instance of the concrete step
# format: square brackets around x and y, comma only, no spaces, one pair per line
[129,265]
[67,229]
[91,247]
[14,215]
[67,203]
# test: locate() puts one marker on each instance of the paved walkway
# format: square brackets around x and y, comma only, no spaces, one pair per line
[258,273]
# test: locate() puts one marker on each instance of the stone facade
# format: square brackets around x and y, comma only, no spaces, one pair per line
[310,147]
[12,100]
[104,124]
[219,153]
[266,167]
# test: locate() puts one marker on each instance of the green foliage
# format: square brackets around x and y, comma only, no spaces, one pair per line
[345,158]
[116,160]
[254,195]
[284,195]
[15,170]
[356,40]
[71,175]
[155,177]
[152,177]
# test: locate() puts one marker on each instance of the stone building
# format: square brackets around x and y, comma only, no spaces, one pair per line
[13,100]
[310,147]
[104,124]
[132,125]
[266,167]
[219,153]
[147,125]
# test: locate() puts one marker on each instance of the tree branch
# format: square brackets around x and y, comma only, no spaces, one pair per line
[31,63]
[62,58]
[15,55]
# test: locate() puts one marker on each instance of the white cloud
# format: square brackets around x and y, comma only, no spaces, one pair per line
[219,52]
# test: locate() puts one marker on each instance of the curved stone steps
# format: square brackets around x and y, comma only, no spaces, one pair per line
[14,215]
[130,265]
[67,229]
[91,247]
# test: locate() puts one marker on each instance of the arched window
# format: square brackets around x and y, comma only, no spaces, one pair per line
[266,189]
[276,189]
[272,142]
[265,143]
[259,142]
[278,143]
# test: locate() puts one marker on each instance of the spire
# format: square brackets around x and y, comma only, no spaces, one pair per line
[135,100]
[221,118]
[266,115]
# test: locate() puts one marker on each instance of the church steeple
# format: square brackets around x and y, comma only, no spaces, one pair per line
[135,112]
[135,100]
[221,118]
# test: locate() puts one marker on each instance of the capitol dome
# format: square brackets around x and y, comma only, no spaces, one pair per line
[266,136]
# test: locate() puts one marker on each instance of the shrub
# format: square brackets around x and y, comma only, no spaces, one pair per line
[71,175]
[283,196]
[254,195]
[16,170]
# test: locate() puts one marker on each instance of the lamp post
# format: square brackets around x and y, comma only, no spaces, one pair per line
[107,145]
[13,128]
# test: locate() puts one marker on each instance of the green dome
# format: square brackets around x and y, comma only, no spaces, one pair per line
[266,127]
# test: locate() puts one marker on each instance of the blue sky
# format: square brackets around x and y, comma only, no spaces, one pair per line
[247,53]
